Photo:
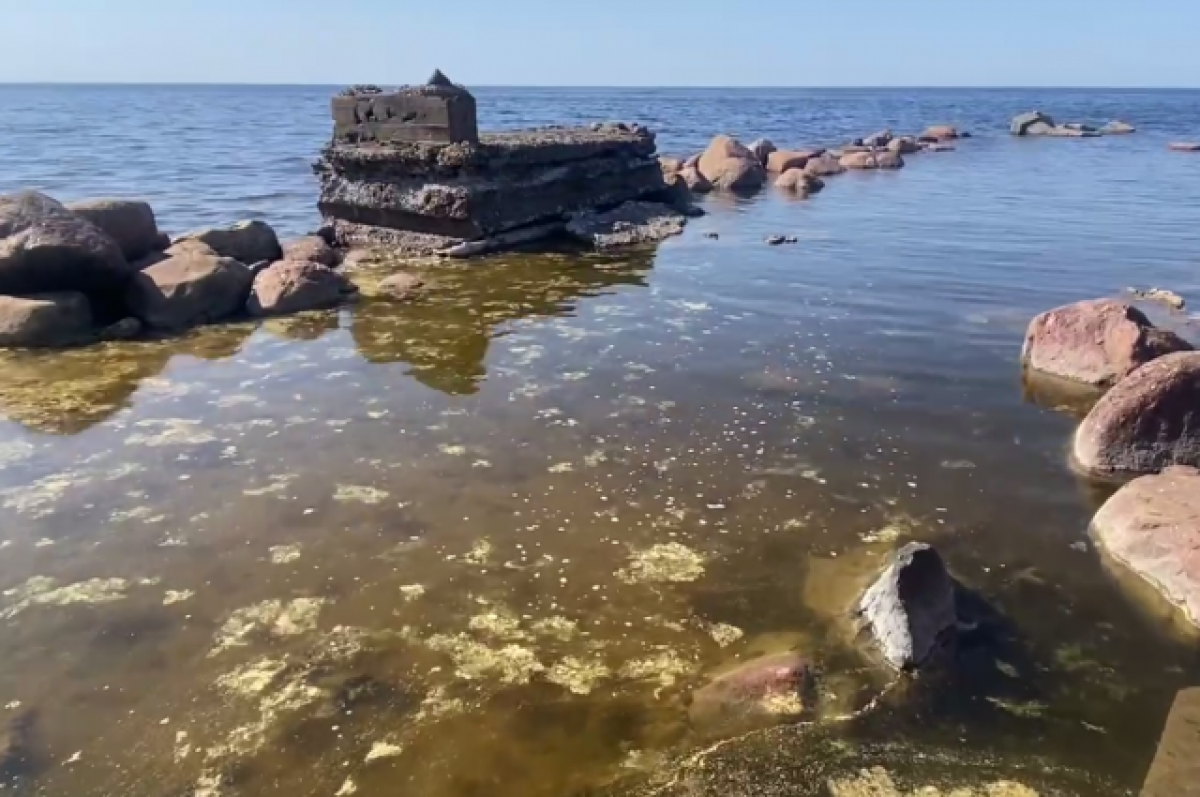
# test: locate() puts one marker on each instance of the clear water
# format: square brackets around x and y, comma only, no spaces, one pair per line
[498,537]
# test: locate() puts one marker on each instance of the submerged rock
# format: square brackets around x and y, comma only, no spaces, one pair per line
[1095,342]
[128,222]
[1118,128]
[291,287]
[1034,123]
[629,224]
[16,746]
[729,165]
[45,248]
[399,287]
[773,685]
[311,249]
[1149,421]
[939,133]
[910,608]
[799,181]
[45,320]
[189,290]
[1152,526]
[245,241]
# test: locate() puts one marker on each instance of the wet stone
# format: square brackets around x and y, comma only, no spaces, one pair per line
[910,610]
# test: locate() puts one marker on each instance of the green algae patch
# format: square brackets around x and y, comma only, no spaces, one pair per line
[270,618]
[578,676]
[473,660]
[361,494]
[666,563]
[44,591]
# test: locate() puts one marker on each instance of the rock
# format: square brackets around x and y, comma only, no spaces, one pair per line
[762,149]
[781,160]
[888,160]
[1175,771]
[773,685]
[1162,295]
[775,240]
[1096,342]
[400,287]
[291,287]
[872,160]
[45,320]
[189,246]
[824,166]
[676,196]
[696,182]
[261,266]
[904,146]
[669,165]
[311,249]
[1020,125]
[245,241]
[714,236]
[1149,421]
[16,746]
[1152,526]
[1072,131]
[799,181]
[629,224]
[45,248]
[128,222]
[1118,128]
[693,162]
[729,165]
[880,139]
[938,147]
[1040,129]
[910,609]
[188,290]
[939,133]
[1184,146]
[125,329]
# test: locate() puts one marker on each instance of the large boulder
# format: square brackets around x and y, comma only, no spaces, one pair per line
[45,320]
[626,225]
[824,166]
[45,248]
[311,249]
[189,289]
[247,241]
[128,222]
[1096,342]
[910,609]
[729,165]
[781,160]
[291,287]
[1031,124]
[1149,421]
[799,181]
[1152,526]
[863,161]
[771,685]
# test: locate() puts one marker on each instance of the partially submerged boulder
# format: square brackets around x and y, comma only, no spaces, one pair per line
[729,165]
[939,133]
[910,609]
[45,320]
[400,287]
[824,165]
[45,248]
[696,182]
[311,249]
[876,140]
[904,145]
[1034,123]
[246,241]
[629,224]
[291,287]
[1184,146]
[781,160]
[188,290]
[1096,342]
[1118,128]
[1149,421]
[762,149]
[871,160]
[799,181]
[1152,526]
[128,222]
[779,684]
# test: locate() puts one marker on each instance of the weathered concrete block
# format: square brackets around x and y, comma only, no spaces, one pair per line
[436,113]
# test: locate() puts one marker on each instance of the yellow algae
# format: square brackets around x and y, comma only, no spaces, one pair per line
[42,591]
[436,705]
[38,499]
[366,495]
[177,596]
[666,668]
[669,562]
[284,554]
[412,592]
[788,704]
[172,432]
[12,451]
[1028,710]
[348,787]
[558,627]
[725,634]
[277,484]
[381,750]
[595,459]
[253,678]
[183,748]
[501,624]
[475,661]
[479,554]
[272,617]
[224,402]
[453,451]
[561,467]
[576,675]
[878,782]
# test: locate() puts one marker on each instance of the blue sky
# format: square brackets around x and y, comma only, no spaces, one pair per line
[606,42]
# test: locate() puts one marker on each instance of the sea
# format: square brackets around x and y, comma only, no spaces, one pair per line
[496,541]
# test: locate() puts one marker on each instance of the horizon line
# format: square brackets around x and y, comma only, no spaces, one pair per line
[597,86]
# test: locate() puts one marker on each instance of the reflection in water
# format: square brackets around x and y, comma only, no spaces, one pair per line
[282,565]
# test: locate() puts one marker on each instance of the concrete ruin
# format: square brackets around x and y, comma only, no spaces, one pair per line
[409,170]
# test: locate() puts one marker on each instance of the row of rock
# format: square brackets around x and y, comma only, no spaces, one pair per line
[1146,425]
[727,164]
[73,274]
[1036,123]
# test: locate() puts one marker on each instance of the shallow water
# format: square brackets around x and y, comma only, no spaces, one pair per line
[489,543]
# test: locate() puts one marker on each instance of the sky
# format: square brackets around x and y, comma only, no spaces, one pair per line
[1059,43]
